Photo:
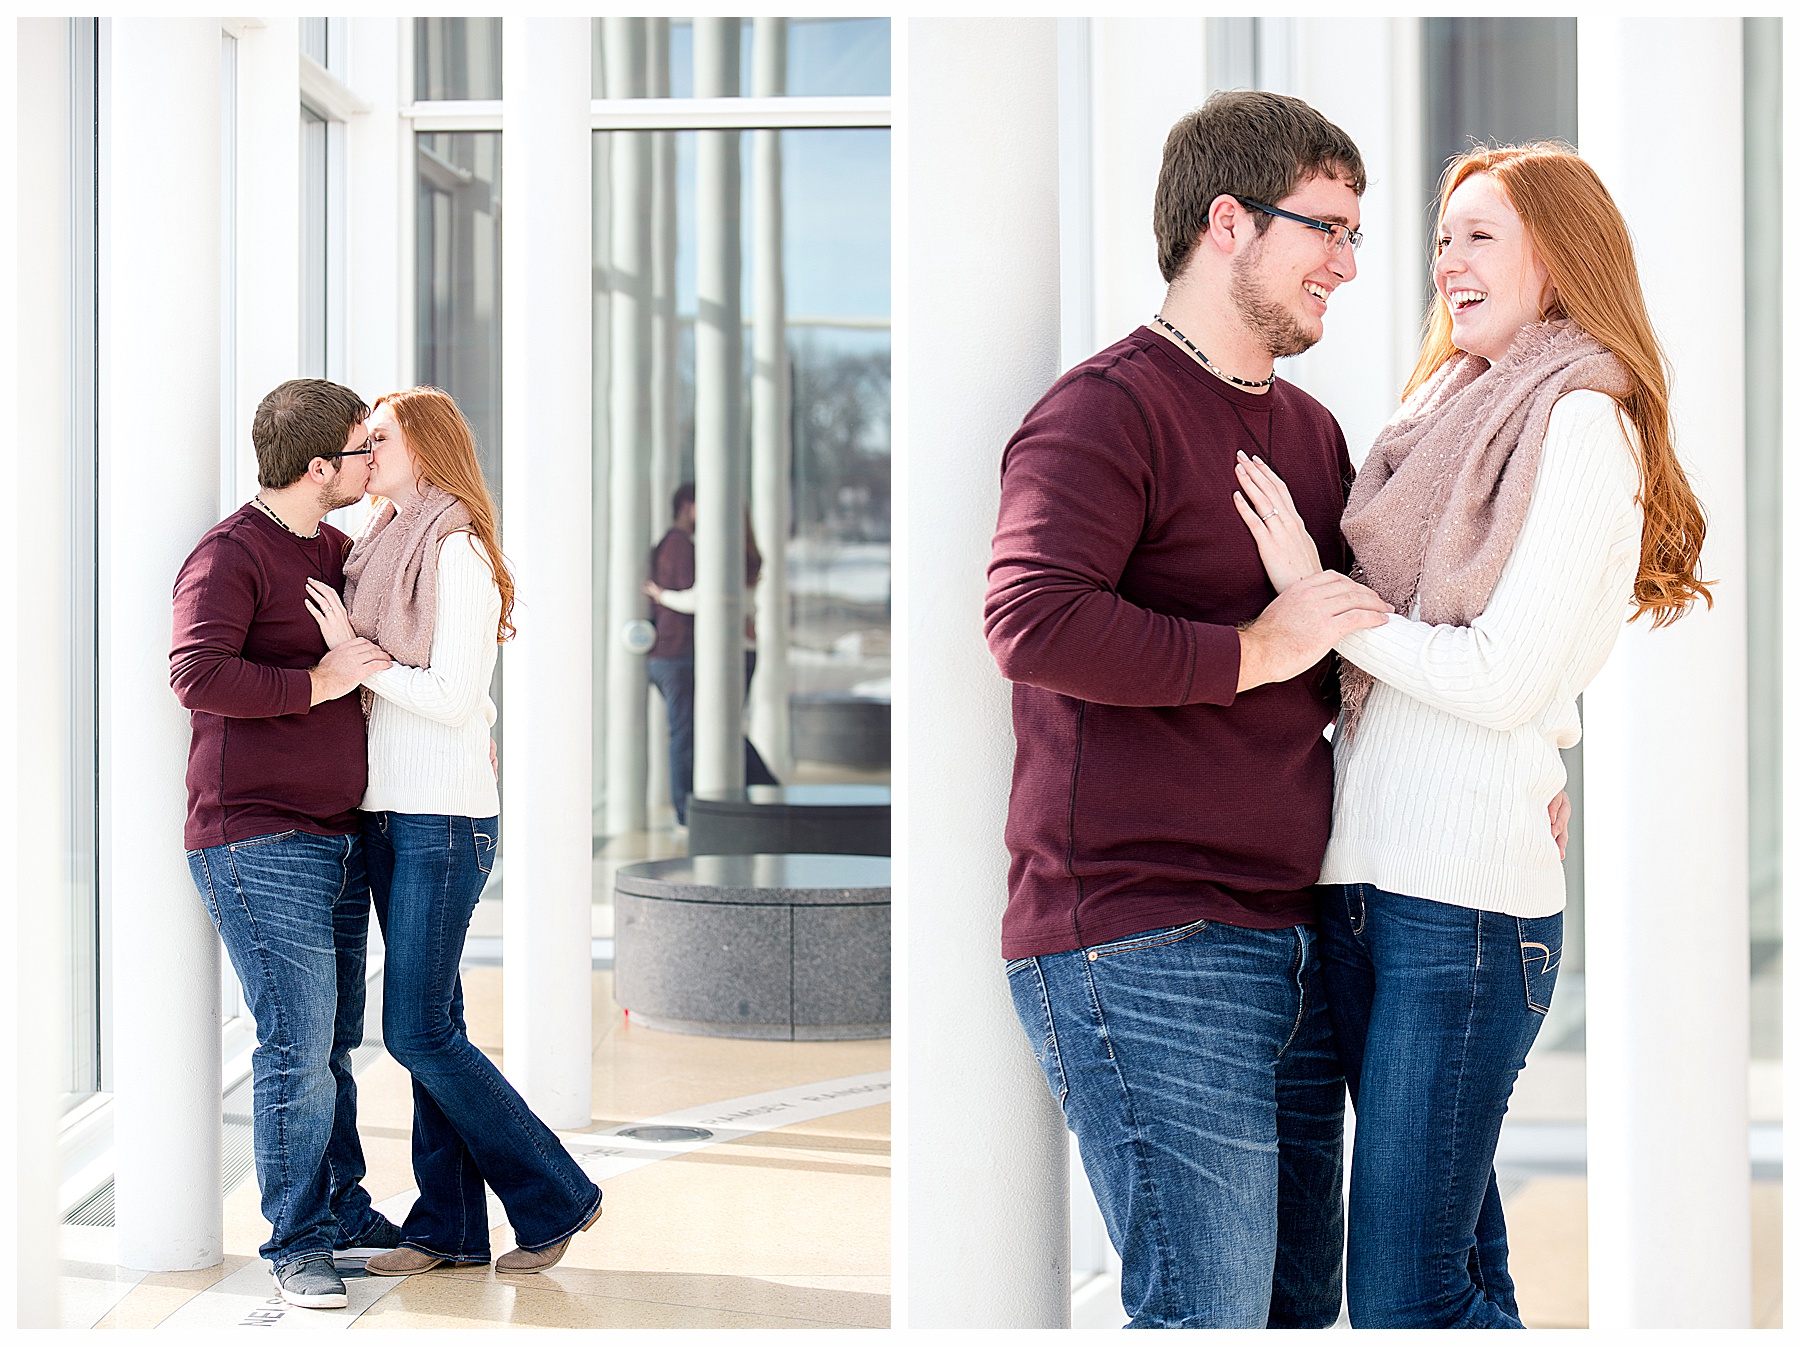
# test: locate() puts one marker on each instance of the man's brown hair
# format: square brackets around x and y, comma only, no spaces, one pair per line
[1242,142]
[299,421]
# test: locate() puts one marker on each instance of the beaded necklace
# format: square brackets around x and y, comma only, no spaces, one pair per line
[1200,355]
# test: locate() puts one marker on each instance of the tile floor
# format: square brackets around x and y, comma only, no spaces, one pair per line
[786,1227]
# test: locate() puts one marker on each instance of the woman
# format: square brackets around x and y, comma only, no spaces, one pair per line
[426,581]
[1499,510]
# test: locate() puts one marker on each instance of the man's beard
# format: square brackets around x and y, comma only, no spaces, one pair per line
[332,495]
[1274,324]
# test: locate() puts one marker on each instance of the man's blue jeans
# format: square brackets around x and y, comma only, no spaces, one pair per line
[427,871]
[1195,1066]
[293,910]
[674,678]
[1434,1008]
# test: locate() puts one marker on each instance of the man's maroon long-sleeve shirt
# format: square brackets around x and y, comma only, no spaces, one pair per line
[262,759]
[1146,791]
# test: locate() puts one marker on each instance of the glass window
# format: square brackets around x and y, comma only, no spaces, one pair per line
[314,207]
[1506,80]
[315,40]
[456,59]
[459,280]
[825,58]
[82,1075]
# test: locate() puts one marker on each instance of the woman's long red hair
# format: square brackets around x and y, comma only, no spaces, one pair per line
[443,449]
[1577,232]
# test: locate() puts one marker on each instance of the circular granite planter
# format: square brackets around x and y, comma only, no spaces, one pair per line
[792,820]
[841,727]
[785,947]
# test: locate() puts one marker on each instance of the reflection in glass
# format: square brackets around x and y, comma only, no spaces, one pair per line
[459,280]
[825,58]
[835,249]
[456,59]
[82,1075]
[314,151]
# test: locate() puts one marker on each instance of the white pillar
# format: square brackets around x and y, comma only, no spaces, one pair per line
[989,1151]
[160,407]
[771,448]
[665,465]
[1667,953]
[268,232]
[35,678]
[629,538]
[718,426]
[547,448]
[379,233]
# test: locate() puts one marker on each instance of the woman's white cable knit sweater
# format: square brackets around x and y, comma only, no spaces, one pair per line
[1443,790]
[428,727]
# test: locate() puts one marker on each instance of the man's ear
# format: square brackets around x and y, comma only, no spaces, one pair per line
[1227,217]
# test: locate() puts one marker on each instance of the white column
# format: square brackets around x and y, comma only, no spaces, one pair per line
[629,538]
[35,678]
[718,426]
[1667,953]
[268,230]
[771,448]
[989,1152]
[547,447]
[380,243]
[665,466]
[160,406]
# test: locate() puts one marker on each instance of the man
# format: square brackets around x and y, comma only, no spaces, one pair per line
[671,588]
[1172,788]
[276,769]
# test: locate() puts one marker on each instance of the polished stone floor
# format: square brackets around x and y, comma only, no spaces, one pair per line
[783,1227]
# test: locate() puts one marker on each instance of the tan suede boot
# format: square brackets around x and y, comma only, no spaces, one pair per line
[404,1261]
[521,1262]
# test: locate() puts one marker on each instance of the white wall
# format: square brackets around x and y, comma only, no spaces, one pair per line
[1147,75]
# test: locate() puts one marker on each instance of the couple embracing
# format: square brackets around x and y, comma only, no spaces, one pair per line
[1218,918]
[340,759]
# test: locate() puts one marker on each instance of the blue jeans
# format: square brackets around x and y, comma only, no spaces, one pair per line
[293,910]
[1434,1007]
[1195,1066]
[470,1126]
[674,678]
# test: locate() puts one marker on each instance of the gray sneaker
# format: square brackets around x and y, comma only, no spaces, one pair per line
[312,1284]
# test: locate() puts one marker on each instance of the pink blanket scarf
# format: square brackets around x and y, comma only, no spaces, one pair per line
[1438,505]
[390,576]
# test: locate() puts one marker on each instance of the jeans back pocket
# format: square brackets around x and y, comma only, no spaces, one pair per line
[1540,955]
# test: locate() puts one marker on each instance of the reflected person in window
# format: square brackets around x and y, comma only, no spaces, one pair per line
[671,665]
[427,583]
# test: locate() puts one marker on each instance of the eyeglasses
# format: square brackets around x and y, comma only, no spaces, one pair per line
[1339,234]
[347,453]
